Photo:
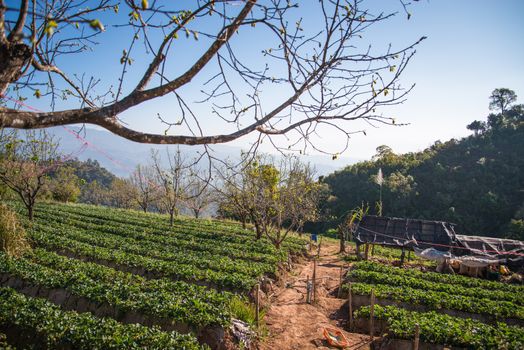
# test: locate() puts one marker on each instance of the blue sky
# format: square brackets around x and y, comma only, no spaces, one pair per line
[472,48]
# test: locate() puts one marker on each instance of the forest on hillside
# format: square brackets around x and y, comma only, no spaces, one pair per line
[476,182]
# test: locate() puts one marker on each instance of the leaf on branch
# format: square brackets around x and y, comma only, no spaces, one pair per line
[145,4]
[50,27]
[97,25]
[392,68]
[37,93]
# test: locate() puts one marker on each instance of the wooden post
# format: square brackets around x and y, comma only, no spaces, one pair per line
[350,306]
[340,283]
[402,256]
[319,246]
[314,280]
[257,310]
[308,290]
[357,251]
[372,249]
[372,315]
[366,253]
[417,337]
[409,256]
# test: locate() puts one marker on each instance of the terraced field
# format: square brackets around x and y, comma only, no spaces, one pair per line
[451,310]
[95,272]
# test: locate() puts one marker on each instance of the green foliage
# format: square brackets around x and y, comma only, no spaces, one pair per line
[13,240]
[65,185]
[474,182]
[243,310]
[187,251]
[448,292]
[55,328]
[446,330]
[181,302]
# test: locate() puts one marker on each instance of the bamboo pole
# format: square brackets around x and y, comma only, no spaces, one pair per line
[257,310]
[372,315]
[350,306]
[417,337]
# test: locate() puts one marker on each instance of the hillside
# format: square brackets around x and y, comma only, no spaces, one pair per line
[130,267]
[476,182]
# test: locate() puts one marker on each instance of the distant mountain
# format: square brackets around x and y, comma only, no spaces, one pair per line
[121,156]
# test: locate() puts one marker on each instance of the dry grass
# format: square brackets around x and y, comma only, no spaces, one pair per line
[13,239]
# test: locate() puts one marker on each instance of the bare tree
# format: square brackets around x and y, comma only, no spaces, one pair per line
[143,179]
[325,69]
[200,194]
[173,181]
[25,164]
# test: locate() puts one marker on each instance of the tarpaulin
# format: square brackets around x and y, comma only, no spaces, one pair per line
[474,251]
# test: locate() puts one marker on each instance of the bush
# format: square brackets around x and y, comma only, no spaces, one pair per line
[13,239]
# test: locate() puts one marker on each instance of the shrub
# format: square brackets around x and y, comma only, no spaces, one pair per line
[13,239]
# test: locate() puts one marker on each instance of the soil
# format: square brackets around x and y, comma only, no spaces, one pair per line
[294,324]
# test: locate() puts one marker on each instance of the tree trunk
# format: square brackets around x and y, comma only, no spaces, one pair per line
[171,217]
[342,241]
[13,58]
[30,213]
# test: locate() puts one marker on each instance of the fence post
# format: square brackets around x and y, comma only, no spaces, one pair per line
[417,337]
[372,315]
[314,280]
[366,253]
[257,310]
[340,283]
[308,290]
[350,303]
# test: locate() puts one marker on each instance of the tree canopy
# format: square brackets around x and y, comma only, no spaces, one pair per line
[476,182]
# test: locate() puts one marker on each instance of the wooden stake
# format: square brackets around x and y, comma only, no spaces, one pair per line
[417,337]
[340,283]
[350,303]
[372,315]
[366,253]
[402,256]
[372,249]
[308,290]
[314,280]
[257,310]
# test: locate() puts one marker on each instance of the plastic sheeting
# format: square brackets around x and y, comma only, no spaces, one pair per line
[472,251]
[467,260]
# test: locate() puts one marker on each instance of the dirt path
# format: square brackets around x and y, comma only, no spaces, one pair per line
[295,324]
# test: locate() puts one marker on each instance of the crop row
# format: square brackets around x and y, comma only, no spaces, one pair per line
[57,240]
[440,300]
[198,228]
[181,302]
[446,330]
[439,277]
[158,251]
[175,242]
[373,277]
[152,229]
[46,325]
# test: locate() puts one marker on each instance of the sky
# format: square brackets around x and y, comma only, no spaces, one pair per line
[473,47]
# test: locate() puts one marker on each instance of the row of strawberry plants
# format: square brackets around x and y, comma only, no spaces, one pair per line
[158,251]
[51,327]
[203,228]
[373,277]
[153,232]
[440,300]
[184,303]
[464,281]
[446,330]
[56,240]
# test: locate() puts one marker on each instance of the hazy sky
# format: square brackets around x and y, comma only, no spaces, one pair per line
[473,47]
